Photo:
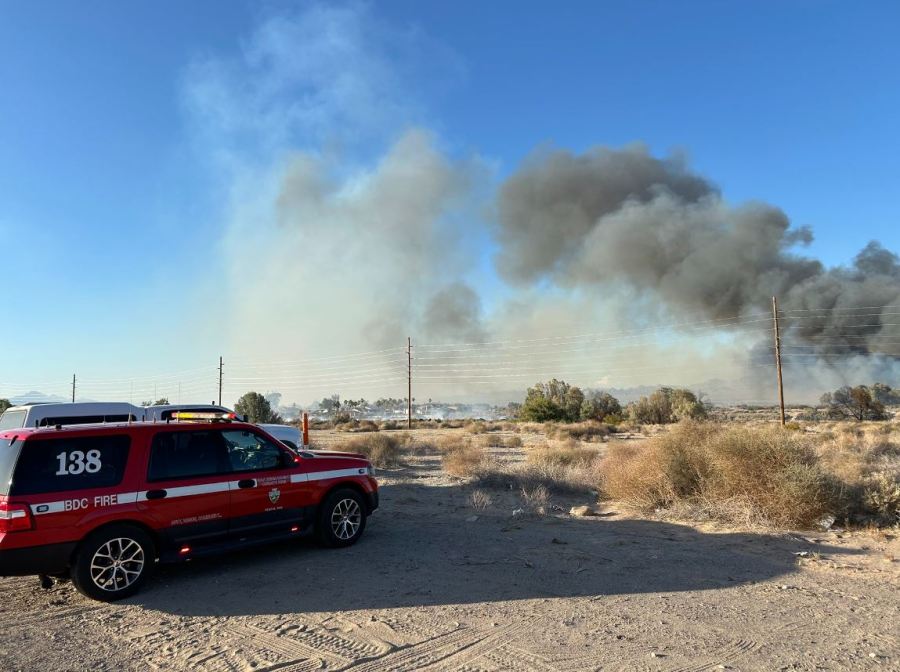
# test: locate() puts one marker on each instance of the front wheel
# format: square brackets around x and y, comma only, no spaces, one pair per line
[113,563]
[342,518]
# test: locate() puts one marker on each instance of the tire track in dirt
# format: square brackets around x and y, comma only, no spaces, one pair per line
[726,654]
[481,647]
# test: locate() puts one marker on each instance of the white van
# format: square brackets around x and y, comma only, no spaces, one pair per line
[77,413]
[287,434]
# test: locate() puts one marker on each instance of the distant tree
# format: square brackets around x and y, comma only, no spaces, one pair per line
[4,404]
[553,400]
[856,403]
[598,405]
[885,394]
[331,404]
[667,405]
[256,408]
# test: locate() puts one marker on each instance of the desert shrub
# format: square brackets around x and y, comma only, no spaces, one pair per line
[390,424]
[740,474]
[480,500]
[793,427]
[536,497]
[463,459]
[513,442]
[856,403]
[491,441]
[567,453]
[614,419]
[881,495]
[667,405]
[367,426]
[475,427]
[583,431]
[382,450]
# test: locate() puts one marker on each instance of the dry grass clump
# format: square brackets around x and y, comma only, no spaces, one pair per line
[537,497]
[739,474]
[480,500]
[461,458]
[513,442]
[491,441]
[357,426]
[561,468]
[565,454]
[475,427]
[390,424]
[382,450]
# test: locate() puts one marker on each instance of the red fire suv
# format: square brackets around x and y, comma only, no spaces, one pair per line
[104,503]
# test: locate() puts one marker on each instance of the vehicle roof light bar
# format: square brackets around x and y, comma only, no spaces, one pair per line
[203,416]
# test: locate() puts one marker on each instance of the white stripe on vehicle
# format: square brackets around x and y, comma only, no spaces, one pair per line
[190,490]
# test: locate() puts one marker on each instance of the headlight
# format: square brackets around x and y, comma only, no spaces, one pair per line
[371,470]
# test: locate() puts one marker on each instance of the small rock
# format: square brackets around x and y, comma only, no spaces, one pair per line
[657,655]
[471,519]
[518,513]
[558,541]
[802,554]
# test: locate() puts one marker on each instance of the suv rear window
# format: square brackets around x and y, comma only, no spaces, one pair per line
[76,463]
[176,455]
[9,451]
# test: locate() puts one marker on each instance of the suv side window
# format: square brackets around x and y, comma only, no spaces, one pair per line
[250,452]
[188,454]
[55,465]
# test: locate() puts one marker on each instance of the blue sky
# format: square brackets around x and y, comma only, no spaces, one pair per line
[110,210]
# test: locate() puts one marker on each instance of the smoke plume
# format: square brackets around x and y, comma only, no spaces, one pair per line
[622,218]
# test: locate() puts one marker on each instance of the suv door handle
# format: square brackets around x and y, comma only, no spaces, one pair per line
[156,494]
[247,483]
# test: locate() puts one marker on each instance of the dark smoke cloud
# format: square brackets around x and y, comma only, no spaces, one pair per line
[623,218]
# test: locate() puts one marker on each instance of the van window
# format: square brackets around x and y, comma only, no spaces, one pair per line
[84,420]
[13,419]
[187,454]
[70,463]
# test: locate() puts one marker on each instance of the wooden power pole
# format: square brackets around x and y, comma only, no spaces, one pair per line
[408,382]
[73,388]
[220,380]
[778,358]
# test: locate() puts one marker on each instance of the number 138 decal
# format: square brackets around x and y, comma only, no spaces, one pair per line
[78,462]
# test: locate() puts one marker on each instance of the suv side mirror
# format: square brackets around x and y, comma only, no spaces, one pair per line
[288,460]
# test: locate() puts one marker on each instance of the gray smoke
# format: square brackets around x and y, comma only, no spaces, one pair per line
[623,219]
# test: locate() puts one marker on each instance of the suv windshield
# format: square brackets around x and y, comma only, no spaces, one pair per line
[13,419]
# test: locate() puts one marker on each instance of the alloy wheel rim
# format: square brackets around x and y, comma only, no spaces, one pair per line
[346,519]
[117,564]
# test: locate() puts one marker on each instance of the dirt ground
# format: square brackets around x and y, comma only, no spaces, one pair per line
[435,585]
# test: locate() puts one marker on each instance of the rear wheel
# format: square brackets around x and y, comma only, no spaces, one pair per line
[113,563]
[342,518]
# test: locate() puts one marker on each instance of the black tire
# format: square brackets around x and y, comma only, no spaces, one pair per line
[127,576]
[342,518]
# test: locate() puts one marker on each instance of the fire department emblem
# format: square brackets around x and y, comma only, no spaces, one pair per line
[274,494]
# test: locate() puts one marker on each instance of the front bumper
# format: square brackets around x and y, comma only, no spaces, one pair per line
[47,559]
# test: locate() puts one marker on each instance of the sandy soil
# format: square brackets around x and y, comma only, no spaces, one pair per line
[429,587]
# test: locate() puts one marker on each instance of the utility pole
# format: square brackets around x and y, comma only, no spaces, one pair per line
[73,388]
[220,380]
[778,357]
[409,382]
